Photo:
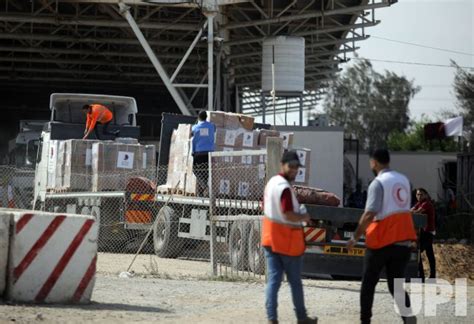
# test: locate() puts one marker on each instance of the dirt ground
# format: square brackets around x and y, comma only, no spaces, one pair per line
[452,261]
[184,294]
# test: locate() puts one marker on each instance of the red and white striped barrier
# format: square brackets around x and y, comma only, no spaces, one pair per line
[52,257]
[314,234]
[4,240]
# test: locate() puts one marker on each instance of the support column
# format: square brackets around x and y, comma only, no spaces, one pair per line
[210,59]
[124,10]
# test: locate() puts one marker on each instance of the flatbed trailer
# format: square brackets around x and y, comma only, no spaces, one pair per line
[186,219]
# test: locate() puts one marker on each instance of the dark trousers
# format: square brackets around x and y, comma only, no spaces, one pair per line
[201,170]
[395,259]
[105,130]
[426,244]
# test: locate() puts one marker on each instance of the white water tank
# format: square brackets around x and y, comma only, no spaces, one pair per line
[288,52]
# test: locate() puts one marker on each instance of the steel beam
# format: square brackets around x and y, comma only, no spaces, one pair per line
[85,52]
[73,39]
[313,14]
[124,10]
[90,21]
[188,52]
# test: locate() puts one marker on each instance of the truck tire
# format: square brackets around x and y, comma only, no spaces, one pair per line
[238,237]
[166,242]
[255,252]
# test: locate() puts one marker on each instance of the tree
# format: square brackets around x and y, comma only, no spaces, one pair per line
[414,140]
[464,92]
[369,105]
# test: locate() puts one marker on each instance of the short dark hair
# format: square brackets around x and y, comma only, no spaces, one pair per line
[202,115]
[423,190]
[85,107]
[382,156]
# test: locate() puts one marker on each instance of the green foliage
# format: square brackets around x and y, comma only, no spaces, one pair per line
[413,140]
[464,92]
[369,105]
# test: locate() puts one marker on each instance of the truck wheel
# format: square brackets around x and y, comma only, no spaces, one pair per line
[166,242]
[238,238]
[255,250]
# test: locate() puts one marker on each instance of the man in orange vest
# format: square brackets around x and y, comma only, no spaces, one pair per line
[389,232]
[97,113]
[283,238]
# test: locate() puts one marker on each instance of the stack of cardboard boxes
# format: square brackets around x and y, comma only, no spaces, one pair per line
[239,177]
[90,165]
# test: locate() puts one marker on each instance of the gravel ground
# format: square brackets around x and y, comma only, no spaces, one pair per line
[146,298]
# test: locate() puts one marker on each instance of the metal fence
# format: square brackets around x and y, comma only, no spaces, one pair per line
[162,214]
[237,181]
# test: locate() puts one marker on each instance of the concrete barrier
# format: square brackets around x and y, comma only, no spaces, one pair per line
[52,257]
[4,242]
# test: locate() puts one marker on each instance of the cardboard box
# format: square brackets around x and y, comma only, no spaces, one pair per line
[304,172]
[217,118]
[264,133]
[234,121]
[304,156]
[246,122]
[238,138]
[231,121]
[287,140]
[247,139]
[78,165]
[114,164]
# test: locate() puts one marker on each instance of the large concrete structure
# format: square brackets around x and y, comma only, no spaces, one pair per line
[174,56]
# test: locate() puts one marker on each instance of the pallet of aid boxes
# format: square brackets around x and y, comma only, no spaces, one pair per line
[113,164]
[304,154]
[235,176]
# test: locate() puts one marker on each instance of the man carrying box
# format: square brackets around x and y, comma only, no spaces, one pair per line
[202,143]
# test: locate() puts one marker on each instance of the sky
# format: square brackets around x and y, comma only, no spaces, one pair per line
[445,24]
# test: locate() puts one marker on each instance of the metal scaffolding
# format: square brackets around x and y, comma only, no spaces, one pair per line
[133,43]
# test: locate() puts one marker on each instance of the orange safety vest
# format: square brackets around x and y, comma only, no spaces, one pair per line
[99,113]
[281,236]
[394,223]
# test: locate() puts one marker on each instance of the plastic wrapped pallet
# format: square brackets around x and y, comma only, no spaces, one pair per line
[113,164]
[77,172]
[60,161]
[52,165]
[180,147]
[149,161]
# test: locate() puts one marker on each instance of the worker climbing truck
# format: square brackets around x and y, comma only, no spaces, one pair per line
[226,222]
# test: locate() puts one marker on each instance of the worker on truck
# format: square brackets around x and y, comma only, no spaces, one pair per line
[283,238]
[389,233]
[202,143]
[97,113]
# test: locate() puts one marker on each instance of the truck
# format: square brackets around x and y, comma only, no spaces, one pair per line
[180,222]
[22,156]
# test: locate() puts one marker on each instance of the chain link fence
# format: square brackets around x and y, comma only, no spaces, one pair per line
[237,182]
[162,213]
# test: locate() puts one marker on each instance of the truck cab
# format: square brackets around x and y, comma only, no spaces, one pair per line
[68,121]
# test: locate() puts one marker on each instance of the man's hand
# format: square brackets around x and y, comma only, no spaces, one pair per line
[350,244]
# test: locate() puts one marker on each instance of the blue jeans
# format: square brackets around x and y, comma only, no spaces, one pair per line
[291,266]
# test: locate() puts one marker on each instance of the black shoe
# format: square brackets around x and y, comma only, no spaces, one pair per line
[308,320]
